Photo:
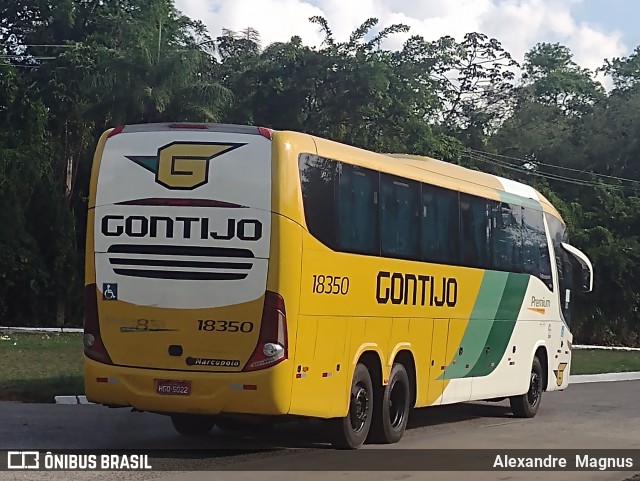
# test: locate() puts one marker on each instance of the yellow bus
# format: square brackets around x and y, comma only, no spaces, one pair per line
[238,274]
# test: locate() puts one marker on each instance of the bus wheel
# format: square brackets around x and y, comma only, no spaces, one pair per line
[351,431]
[391,410]
[193,425]
[527,404]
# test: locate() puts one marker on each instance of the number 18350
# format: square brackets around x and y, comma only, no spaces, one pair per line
[323,284]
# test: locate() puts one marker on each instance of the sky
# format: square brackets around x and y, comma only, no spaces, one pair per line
[594,30]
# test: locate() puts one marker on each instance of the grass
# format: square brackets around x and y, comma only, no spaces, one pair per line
[597,361]
[35,367]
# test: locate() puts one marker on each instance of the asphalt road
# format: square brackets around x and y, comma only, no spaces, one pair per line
[586,416]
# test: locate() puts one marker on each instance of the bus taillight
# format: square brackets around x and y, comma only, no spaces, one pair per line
[93,345]
[272,342]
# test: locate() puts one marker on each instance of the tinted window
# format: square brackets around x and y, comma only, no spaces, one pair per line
[399,217]
[440,225]
[558,234]
[352,209]
[317,178]
[563,264]
[474,231]
[534,246]
[358,210]
[507,237]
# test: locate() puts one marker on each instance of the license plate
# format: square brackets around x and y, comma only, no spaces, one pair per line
[175,388]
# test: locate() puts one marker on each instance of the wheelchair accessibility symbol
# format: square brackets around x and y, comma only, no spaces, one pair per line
[109,292]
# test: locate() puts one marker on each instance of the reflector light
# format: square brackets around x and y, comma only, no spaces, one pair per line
[88,340]
[116,131]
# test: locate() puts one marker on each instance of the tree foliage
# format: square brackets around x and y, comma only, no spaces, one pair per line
[71,68]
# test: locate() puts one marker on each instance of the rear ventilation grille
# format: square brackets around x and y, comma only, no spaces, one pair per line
[191,263]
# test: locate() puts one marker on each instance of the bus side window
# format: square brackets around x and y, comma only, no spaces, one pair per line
[440,225]
[317,178]
[506,237]
[358,210]
[399,215]
[475,231]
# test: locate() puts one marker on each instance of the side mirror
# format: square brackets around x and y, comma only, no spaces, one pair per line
[587,268]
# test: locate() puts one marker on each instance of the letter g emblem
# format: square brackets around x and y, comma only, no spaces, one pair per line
[185,165]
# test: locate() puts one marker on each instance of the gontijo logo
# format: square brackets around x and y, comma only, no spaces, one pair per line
[183,165]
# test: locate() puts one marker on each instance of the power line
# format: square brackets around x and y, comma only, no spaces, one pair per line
[554,166]
[50,45]
[485,158]
[30,57]
[530,172]
[480,156]
[554,177]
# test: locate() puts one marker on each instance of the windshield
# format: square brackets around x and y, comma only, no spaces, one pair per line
[564,265]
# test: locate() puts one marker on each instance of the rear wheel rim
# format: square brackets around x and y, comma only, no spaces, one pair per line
[533,396]
[397,404]
[359,407]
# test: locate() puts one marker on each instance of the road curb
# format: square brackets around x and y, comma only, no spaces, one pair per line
[71,400]
[607,377]
[606,348]
[41,329]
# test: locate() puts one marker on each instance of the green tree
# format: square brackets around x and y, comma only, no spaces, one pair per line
[24,167]
[625,71]
[476,83]
[92,64]
[551,77]
[352,91]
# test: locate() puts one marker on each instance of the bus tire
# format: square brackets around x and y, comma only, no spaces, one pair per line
[391,408]
[351,431]
[193,425]
[527,404]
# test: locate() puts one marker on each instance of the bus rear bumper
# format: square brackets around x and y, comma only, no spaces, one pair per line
[260,392]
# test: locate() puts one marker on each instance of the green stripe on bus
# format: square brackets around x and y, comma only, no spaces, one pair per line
[473,341]
[503,326]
